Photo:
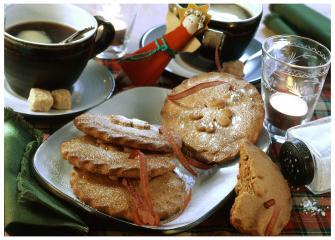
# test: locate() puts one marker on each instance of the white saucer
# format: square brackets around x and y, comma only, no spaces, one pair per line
[94,86]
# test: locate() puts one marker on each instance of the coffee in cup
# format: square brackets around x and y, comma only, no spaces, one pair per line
[41,32]
[35,56]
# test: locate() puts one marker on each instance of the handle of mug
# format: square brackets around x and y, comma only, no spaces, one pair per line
[213,39]
[106,37]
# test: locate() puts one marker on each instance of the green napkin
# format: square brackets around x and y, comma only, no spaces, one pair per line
[303,20]
[278,25]
[29,209]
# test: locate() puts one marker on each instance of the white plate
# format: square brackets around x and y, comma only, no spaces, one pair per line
[95,85]
[145,103]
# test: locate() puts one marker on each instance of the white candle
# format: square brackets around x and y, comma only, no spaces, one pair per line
[289,104]
[286,110]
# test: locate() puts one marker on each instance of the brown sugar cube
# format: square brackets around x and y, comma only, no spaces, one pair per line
[40,100]
[62,99]
[234,67]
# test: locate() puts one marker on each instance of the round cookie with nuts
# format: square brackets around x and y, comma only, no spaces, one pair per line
[213,113]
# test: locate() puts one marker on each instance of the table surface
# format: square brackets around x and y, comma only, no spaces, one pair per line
[302,222]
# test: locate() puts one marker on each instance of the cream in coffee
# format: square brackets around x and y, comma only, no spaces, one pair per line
[228,12]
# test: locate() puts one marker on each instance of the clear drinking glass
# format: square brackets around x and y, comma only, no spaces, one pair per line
[293,73]
[122,16]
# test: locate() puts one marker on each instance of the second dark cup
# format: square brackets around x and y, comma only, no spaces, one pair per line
[231,28]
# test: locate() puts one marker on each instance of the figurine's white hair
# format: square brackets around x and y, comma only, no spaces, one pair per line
[197,13]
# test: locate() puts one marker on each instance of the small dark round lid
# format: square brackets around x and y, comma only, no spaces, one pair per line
[296,162]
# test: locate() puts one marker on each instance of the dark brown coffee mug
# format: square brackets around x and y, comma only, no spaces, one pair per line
[231,28]
[35,62]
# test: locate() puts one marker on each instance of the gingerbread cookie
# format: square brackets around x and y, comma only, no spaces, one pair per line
[213,114]
[84,153]
[263,204]
[123,131]
[167,193]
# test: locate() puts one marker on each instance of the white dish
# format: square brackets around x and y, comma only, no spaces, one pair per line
[95,85]
[209,191]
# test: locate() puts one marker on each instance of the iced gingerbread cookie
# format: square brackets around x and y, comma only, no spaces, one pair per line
[213,113]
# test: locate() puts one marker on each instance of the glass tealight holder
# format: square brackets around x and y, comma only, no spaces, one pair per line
[294,69]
